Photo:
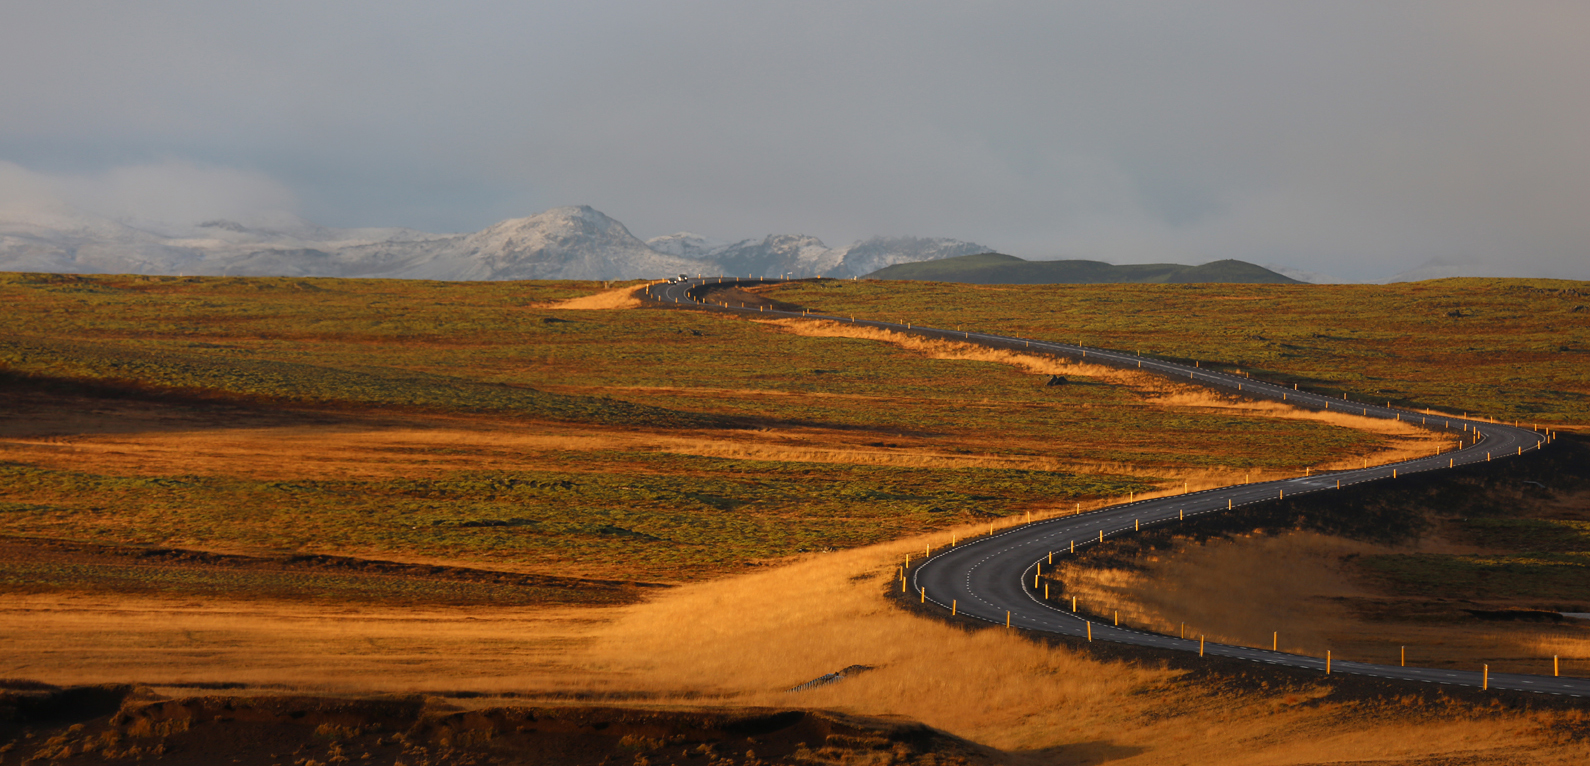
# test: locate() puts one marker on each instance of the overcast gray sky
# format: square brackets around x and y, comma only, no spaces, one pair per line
[1355,139]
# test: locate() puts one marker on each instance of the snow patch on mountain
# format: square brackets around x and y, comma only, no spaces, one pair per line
[866,257]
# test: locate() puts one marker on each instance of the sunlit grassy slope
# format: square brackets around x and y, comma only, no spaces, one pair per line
[1515,349]
[654,443]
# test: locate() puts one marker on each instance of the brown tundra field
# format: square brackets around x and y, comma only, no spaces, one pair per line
[315,521]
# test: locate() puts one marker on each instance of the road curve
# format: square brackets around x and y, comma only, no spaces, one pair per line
[992,578]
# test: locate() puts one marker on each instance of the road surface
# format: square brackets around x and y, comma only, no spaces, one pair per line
[992,578]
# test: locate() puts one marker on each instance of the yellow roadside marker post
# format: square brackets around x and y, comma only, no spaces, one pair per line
[1275,641]
[924,595]
[1090,630]
[1327,662]
[1485,678]
[953,602]
[1007,620]
[1073,604]
[1403,662]
[1200,644]
[1554,667]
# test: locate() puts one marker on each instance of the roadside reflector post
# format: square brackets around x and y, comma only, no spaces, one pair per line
[1090,631]
[1117,618]
[1228,503]
[1403,661]
[1051,558]
[1101,535]
[1135,526]
[1181,514]
[1200,644]
[1485,678]
[1184,630]
[1007,619]
[1073,603]
[1275,641]
[953,602]
[1393,473]
[1073,546]
[1327,662]
[924,595]
[1554,667]
[1046,591]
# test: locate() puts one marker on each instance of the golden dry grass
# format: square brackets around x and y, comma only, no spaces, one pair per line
[741,642]
[433,446]
[85,639]
[618,298]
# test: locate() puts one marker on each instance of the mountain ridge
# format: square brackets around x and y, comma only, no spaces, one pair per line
[1000,269]
[572,242]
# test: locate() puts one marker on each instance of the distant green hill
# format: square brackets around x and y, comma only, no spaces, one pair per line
[1000,269]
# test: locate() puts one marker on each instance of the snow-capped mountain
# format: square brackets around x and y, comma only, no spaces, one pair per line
[562,243]
[806,256]
[684,244]
[794,254]
[576,242]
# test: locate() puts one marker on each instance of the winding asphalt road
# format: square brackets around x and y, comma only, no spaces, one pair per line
[992,578]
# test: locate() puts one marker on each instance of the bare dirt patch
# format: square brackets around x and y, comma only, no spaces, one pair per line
[618,298]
